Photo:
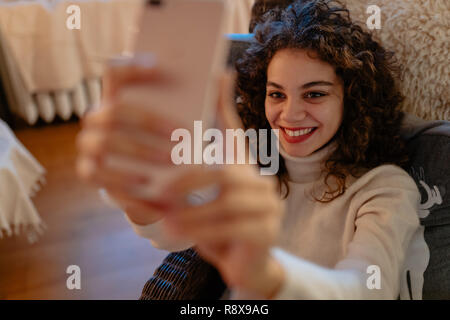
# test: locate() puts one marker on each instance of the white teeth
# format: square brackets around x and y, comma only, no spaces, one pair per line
[297,133]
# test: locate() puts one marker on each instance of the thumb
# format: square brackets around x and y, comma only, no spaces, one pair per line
[228,117]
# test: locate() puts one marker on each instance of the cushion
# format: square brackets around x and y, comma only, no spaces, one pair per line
[418,32]
[427,271]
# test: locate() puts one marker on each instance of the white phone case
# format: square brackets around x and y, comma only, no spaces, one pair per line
[188,40]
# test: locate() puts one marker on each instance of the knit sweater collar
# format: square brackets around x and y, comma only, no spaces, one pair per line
[307,169]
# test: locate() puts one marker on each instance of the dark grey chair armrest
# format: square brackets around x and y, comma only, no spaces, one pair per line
[184,275]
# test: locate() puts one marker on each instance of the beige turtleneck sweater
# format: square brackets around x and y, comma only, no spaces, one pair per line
[329,250]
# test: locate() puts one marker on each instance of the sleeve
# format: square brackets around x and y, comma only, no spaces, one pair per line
[386,219]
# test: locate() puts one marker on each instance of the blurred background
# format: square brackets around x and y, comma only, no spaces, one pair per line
[52,55]
[50,76]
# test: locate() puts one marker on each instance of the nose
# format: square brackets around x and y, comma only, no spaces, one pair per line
[293,111]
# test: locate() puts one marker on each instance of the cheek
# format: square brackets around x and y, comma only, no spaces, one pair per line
[338,114]
[332,117]
[271,113]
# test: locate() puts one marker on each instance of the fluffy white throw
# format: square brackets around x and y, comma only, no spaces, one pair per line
[21,176]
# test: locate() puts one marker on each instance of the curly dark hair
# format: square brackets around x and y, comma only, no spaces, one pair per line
[369,134]
[262,6]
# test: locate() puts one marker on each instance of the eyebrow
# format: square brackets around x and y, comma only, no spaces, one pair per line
[305,86]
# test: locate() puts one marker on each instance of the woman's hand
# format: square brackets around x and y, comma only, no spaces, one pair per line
[116,129]
[235,231]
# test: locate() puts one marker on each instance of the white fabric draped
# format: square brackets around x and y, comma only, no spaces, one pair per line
[21,177]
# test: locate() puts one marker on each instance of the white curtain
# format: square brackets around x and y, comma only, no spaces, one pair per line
[240,15]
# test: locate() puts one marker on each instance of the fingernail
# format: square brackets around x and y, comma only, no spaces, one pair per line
[120,61]
[144,60]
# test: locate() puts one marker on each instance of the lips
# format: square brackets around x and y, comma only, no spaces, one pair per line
[296,135]
[297,132]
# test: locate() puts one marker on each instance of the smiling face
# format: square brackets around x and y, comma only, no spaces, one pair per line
[304,99]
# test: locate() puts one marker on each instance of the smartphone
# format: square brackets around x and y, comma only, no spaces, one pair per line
[188,40]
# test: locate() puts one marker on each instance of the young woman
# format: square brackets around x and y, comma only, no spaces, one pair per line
[337,220]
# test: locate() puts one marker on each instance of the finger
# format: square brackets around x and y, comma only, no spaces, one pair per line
[257,231]
[239,204]
[132,204]
[113,180]
[99,143]
[225,177]
[118,116]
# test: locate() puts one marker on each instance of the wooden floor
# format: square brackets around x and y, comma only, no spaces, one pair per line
[81,230]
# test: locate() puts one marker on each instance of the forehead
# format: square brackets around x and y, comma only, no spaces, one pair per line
[298,65]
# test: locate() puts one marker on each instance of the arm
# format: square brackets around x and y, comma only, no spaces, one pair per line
[385,223]
[148,226]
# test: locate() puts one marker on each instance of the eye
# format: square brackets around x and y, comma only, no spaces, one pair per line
[315,95]
[276,95]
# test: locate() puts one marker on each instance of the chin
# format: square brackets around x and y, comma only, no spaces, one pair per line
[297,152]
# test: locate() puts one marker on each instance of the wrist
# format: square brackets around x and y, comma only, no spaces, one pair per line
[275,278]
[266,281]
